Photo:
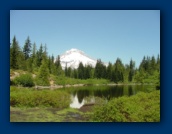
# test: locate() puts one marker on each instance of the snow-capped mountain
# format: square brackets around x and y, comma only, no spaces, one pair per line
[73,57]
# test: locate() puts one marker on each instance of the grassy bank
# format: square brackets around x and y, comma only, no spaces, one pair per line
[23,78]
[28,97]
[29,105]
[143,107]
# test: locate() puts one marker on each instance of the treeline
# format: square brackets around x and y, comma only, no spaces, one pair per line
[31,59]
[34,60]
[147,72]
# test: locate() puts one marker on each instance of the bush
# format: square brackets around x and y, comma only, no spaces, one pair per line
[12,82]
[41,82]
[35,98]
[143,107]
[25,80]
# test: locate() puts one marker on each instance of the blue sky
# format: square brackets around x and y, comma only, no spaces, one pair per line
[104,34]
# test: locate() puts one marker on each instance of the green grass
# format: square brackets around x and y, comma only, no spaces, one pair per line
[30,105]
[28,97]
[143,107]
[62,80]
[39,114]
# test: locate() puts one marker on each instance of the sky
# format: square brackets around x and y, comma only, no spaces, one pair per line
[101,34]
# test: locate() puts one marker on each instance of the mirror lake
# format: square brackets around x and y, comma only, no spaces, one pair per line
[88,94]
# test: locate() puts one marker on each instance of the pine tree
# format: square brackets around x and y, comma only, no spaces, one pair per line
[158,63]
[27,48]
[152,65]
[53,66]
[66,70]
[126,72]
[131,72]
[22,64]
[39,55]
[34,58]
[104,73]
[50,65]
[118,73]
[81,71]
[69,72]
[98,69]
[14,54]
[43,75]
[75,74]
[57,62]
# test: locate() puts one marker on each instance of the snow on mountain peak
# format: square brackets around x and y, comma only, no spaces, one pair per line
[74,50]
[73,57]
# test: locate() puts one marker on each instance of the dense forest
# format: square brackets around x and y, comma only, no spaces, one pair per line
[33,59]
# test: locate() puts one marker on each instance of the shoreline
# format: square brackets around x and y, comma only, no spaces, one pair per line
[80,85]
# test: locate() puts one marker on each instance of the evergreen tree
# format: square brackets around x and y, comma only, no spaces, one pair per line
[98,69]
[14,54]
[45,54]
[39,55]
[69,72]
[34,58]
[118,73]
[53,66]
[66,70]
[81,71]
[143,64]
[43,74]
[75,74]
[131,72]
[104,73]
[52,58]
[152,65]
[50,65]
[158,63]
[59,68]
[126,72]
[27,48]
[22,64]
[57,62]
[87,72]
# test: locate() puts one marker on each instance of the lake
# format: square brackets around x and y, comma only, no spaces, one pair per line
[80,95]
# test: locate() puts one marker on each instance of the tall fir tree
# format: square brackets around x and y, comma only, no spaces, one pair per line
[53,66]
[43,74]
[57,62]
[131,70]
[81,71]
[99,69]
[118,73]
[27,48]
[14,54]
[59,68]
[39,55]
[34,58]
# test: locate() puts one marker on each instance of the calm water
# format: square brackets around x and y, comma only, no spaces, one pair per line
[79,94]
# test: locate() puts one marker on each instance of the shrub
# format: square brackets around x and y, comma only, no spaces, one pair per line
[25,80]
[42,82]
[35,98]
[143,107]
[12,82]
